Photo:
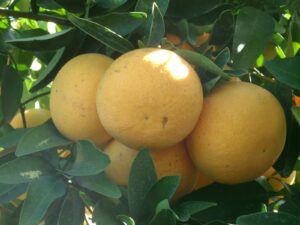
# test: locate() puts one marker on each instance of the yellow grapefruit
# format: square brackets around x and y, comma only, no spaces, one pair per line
[149,98]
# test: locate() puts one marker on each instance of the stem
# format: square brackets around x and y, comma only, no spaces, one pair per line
[22,111]
[29,15]
[35,97]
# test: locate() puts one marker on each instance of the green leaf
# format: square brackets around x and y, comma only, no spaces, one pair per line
[12,138]
[24,169]
[72,209]
[121,23]
[89,160]
[209,85]
[164,214]
[296,113]
[11,93]
[285,70]
[147,6]
[187,209]
[253,31]
[10,192]
[41,193]
[142,177]
[100,184]
[269,218]
[156,29]
[232,201]
[165,217]
[103,215]
[164,188]
[52,67]
[101,33]
[41,138]
[203,62]
[45,42]
[223,29]
[110,4]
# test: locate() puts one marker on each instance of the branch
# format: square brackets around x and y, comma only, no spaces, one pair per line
[30,15]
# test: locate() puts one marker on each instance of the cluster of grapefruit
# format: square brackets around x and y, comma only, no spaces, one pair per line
[152,98]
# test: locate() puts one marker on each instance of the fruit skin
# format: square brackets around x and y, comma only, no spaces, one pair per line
[202,181]
[73,97]
[149,98]
[240,134]
[269,52]
[33,117]
[275,180]
[296,100]
[168,162]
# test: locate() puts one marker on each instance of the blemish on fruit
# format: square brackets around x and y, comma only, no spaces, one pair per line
[164,121]
[146,117]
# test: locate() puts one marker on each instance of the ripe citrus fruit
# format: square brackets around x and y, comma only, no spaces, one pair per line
[33,117]
[276,181]
[202,181]
[297,100]
[173,161]
[73,97]
[150,98]
[240,133]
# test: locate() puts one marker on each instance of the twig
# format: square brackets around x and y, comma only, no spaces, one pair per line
[35,97]
[30,15]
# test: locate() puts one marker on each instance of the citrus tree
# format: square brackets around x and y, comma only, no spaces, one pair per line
[149,112]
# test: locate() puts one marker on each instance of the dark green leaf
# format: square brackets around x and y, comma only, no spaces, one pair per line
[223,58]
[89,160]
[232,201]
[268,219]
[209,85]
[24,169]
[291,204]
[253,31]
[12,138]
[103,215]
[41,193]
[223,29]
[110,4]
[48,4]
[100,184]
[164,188]
[285,70]
[156,27]
[9,192]
[77,6]
[72,209]
[11,93]
[203,62]
[40,138]
[49,73]
[141,178]
[192,9]
[121,23]
[126,219]
[187,209]
[102,34]
[45,42]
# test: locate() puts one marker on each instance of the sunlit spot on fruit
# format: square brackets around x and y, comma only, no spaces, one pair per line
[51,27]
[35,65]
[240,47]
[172,63]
